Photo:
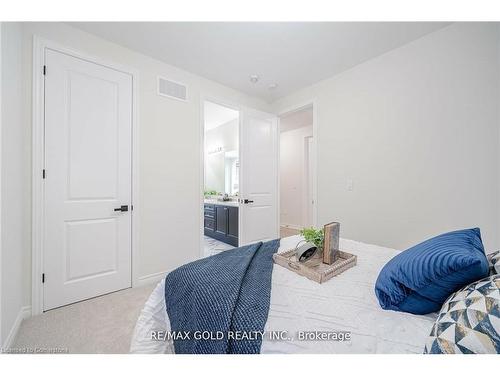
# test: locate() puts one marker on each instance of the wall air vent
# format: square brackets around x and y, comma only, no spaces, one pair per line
[171,89]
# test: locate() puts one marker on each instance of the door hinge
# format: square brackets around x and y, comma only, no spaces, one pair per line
[43,174]
[45,70]
[43,278]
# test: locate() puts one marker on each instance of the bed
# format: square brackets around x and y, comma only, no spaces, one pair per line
[347,303]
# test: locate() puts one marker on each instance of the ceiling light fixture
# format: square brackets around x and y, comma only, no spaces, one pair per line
[272,86]
[254,78]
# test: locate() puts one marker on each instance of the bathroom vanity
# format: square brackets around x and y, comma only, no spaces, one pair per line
[221,221]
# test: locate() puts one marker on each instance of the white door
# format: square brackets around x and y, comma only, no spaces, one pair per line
[258,177]
[88,135]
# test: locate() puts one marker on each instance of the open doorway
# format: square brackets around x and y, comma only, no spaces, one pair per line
[297,172]
[221,178]
[240,177]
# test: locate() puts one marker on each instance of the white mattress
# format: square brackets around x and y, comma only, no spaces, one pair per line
[345,303]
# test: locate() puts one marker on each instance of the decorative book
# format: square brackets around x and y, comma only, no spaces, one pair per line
[331,242]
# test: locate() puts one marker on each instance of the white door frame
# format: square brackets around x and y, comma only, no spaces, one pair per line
[297,107]
[307,215]
[38,193]
[231,105]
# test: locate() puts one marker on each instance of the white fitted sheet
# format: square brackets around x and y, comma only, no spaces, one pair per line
[345,303]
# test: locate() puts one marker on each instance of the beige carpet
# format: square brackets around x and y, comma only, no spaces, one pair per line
[100,325]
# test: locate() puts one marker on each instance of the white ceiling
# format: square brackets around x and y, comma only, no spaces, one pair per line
[291,54]
[296,119]
[216,115]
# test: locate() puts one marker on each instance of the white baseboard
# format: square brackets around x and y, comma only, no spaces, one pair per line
[291,226]
[151,278]
[24,313]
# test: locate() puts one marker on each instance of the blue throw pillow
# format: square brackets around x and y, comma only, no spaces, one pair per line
[420,279]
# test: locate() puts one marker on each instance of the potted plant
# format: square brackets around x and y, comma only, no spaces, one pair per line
[210,193]
[315,236]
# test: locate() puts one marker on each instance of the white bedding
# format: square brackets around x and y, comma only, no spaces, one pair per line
[345,303]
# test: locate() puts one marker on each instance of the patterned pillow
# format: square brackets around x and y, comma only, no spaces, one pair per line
[494,262]
[469,321]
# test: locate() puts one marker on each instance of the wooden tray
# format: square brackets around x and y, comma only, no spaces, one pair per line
[314,269]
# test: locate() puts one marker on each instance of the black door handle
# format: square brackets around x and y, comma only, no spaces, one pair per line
[246,201]
[122,208]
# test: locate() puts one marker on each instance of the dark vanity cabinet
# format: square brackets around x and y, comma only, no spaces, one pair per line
[221,223]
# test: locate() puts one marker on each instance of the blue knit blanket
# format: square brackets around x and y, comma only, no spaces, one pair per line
[220,304]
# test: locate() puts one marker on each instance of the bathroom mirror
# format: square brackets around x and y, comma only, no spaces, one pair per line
[221,150]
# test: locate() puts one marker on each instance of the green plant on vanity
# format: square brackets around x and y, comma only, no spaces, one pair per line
[209,193]
[315,236]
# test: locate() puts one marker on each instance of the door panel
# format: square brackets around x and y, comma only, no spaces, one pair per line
[88,138]
[258,175]
[221,219]
[232,222]
[86,181]
[84,261]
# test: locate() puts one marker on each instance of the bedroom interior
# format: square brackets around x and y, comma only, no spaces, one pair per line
[157,199]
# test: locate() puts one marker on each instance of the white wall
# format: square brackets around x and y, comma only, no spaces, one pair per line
[417,131]
[293,176]
[169,153]
[15,190]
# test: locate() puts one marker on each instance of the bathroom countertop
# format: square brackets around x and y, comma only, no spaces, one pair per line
[233,203]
